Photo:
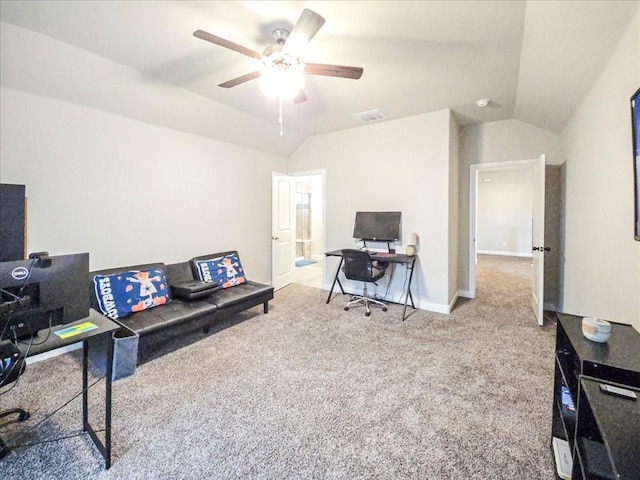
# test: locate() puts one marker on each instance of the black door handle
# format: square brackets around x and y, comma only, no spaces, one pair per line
[540,249]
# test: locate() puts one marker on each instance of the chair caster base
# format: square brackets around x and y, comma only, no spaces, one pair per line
[22,416]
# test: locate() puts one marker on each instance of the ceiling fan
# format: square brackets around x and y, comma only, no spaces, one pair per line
[281,70]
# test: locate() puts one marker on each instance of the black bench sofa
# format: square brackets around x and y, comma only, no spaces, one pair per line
[212,307]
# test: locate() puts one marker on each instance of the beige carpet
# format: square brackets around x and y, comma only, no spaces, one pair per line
[312,391]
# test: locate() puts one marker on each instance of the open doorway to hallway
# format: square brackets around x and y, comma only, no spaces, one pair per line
[510,218]
[309,200]
[506,218]
[504,232]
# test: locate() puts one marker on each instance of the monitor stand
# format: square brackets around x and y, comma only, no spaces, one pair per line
[389,248]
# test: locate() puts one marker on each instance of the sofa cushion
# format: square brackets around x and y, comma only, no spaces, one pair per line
[249,294]
[123,293]
[225,270]
[174,313]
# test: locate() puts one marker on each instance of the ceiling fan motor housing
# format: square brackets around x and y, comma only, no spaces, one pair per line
[281,35]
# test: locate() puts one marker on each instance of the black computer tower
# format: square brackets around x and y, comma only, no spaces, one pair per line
[12,222]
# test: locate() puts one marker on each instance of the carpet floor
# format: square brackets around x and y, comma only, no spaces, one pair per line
[310,391]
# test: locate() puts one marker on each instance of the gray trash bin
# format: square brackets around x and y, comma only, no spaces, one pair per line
[125,353]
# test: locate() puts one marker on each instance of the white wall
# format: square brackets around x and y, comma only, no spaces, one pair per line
[401,165]
[504,212]
[317,214]
[502,141]
[602,266]
[509,140]
[129,192]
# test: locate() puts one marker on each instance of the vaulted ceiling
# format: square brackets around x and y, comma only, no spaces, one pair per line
[535,60]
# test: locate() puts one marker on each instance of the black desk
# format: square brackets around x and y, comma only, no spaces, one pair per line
[401,258]
[106,326]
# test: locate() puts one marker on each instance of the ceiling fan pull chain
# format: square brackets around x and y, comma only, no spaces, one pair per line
[280,117]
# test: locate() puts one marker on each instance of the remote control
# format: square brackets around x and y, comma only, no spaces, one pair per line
[623,392]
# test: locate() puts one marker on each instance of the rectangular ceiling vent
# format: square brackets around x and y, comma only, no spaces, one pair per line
[371,116]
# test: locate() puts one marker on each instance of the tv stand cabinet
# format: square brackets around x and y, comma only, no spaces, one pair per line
[603,432]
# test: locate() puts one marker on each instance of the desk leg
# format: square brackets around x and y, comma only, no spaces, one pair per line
[107,404]
[336,279]
[408,292]
[85,386]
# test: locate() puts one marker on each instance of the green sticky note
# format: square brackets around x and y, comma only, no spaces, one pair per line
[76,330]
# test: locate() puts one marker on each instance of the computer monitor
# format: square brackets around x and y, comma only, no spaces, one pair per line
[378,226]
[36,293]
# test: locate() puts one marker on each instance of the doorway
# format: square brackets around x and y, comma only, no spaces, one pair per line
[298,228]
[309,191]
[506,218]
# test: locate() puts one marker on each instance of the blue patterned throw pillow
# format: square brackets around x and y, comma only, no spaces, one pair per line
[124,293]
[225,271]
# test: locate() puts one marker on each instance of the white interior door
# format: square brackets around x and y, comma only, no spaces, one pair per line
[537,296]
[283,230]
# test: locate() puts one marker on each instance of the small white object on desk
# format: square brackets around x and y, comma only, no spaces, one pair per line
[595,329]
[411,241]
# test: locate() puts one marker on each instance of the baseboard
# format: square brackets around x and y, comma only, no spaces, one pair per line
[465,294]
[452,303]
[421,305]
[506,254]
[54,353]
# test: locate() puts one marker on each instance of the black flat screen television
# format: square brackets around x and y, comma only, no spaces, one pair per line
[378,226]
[635,130]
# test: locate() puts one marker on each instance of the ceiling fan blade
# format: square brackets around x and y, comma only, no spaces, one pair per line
[238,80]
[304,30]
[333,70]
[300,97]
[209,37]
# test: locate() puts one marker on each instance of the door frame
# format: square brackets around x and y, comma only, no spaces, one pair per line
[473,193]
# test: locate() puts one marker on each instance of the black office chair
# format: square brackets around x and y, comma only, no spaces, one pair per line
[12,365]
[359,266]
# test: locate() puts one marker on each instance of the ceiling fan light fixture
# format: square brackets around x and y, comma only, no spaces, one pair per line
[297,44]
[281,80]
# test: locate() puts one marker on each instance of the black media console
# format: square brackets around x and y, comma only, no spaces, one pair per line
[602,430]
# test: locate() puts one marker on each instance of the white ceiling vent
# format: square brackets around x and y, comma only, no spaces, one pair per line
[371,116]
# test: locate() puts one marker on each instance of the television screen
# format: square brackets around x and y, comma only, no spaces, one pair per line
[378,226]
[635,130]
